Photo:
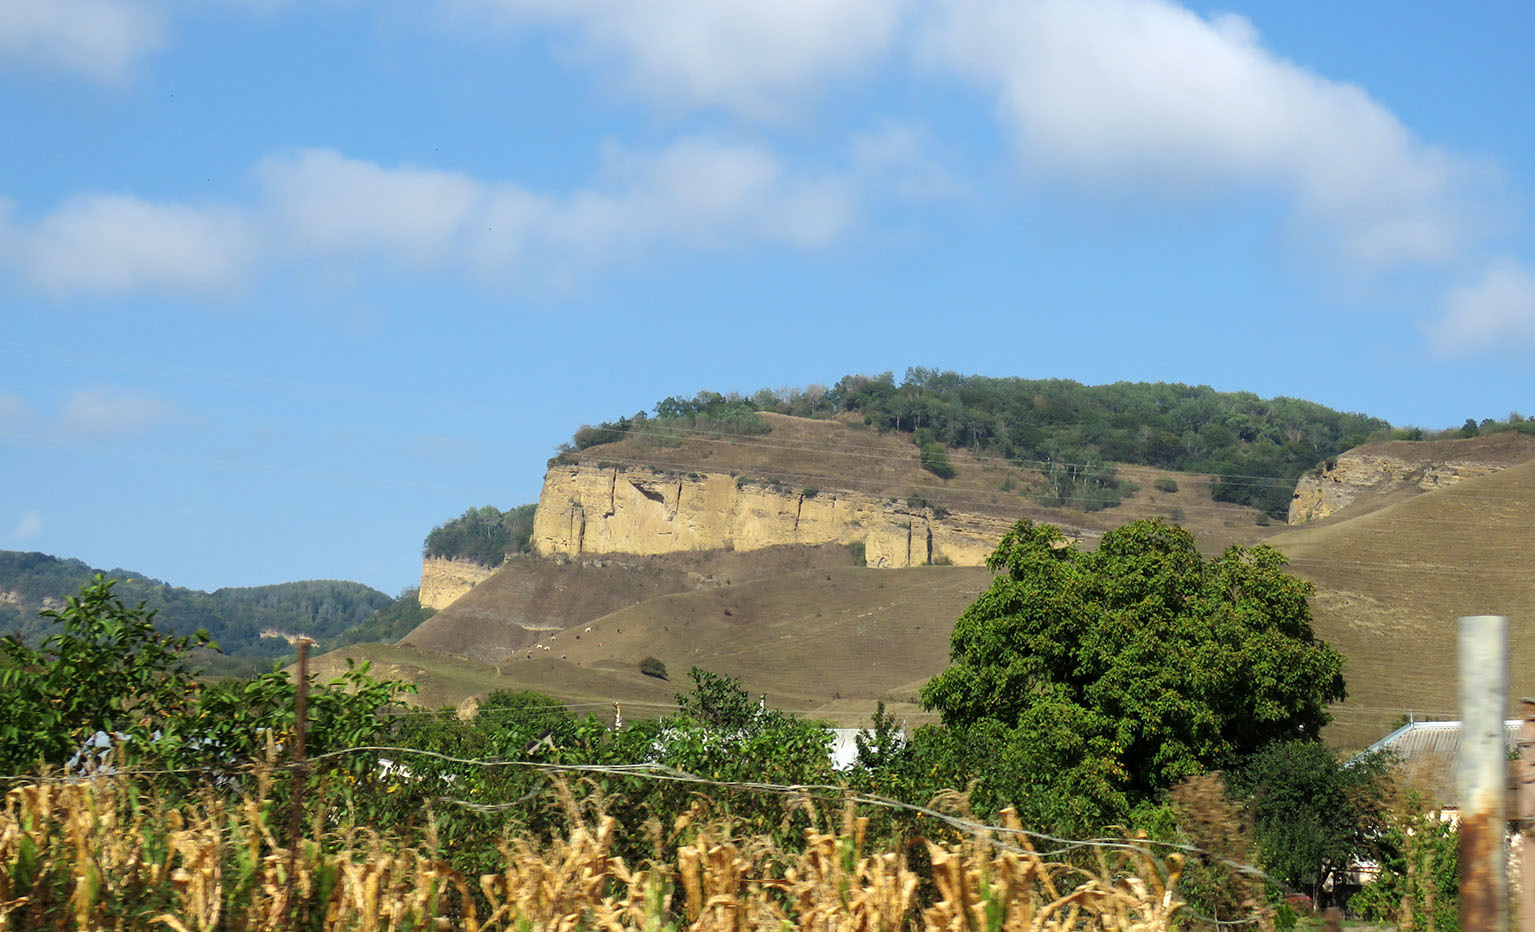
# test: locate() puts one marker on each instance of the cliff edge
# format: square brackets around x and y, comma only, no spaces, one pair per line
[587,509]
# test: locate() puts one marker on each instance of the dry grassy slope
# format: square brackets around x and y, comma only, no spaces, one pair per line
[1392,580]
[844,454]
[1411,461]
[826,642]
[529,597]
[444,680]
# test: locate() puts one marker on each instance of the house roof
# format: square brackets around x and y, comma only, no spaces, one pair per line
[1426,754]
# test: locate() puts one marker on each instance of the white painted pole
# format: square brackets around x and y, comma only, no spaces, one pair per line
[1482,774]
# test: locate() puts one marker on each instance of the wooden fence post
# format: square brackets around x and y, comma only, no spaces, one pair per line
[1482,774]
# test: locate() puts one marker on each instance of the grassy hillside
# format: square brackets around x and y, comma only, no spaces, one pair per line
[530,597]
[235,617]
[1392,579]
[827,642]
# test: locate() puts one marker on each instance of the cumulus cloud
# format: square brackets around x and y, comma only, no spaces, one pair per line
[318,205]
[697,193]
[108,245]
[30,525]
[756,59]
[1145,95]
[106,411]
[1497,311]
[99,39]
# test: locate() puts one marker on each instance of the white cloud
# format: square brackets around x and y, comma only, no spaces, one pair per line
[1144,96]
[757,59]
[103,411]
[698,193]
[100,39]
[323,201]
[30,525]
[108,245]
[1495,312]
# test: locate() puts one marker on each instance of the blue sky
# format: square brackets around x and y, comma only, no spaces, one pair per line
[286,284]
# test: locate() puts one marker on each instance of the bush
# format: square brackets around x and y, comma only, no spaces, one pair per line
[1263,520]
[651,666]
[1165,485]
[936,461]
[857,550]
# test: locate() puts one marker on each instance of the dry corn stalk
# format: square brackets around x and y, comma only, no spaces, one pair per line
[91,855]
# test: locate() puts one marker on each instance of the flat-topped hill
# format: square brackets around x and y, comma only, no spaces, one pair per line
[826,457]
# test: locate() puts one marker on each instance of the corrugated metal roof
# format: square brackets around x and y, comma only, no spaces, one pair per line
[1427,752]
[1417,738]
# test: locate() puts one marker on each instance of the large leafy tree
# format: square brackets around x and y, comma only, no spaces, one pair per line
[1102,677]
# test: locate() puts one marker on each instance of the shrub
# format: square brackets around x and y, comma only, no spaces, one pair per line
[1263,520]
[1165,485]
[916,501]
[936,461]
[651,666]
[858,550]
[811,491]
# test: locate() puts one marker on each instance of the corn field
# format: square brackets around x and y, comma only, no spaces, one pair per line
[105,854]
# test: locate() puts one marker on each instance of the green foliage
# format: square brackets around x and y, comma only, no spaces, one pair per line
[1165,484]
[721,733]
[1172,426]
[105,669]
[108,670]
[486,536]
[858,550]
[1256,447]
[1312,815]
[935,460]
[1095,680]
[233,617]
[388,624]
[1419,882]
[651,666]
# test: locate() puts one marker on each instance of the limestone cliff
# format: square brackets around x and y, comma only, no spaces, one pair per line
[1375,470]
[586,509]
[443,581]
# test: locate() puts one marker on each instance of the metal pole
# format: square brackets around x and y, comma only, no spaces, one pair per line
[1527,819]
[1482,775]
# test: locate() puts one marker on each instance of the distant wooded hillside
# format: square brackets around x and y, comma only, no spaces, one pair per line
[1255,447]
[235,617]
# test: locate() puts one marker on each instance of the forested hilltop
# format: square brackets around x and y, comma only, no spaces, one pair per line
[1256,447]
[485,535]
[235,617]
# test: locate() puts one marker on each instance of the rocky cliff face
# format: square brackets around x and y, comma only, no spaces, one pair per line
[1364,471]
[588,509]
[443,581]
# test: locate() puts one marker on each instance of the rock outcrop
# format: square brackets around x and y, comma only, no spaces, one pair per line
[1341,481]
[586,509]
[443,581]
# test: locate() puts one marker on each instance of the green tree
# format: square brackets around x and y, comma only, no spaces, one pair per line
[1110,675]
[105,669]
[1311,814]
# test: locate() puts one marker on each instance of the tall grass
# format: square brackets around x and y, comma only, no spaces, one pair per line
[107,854]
